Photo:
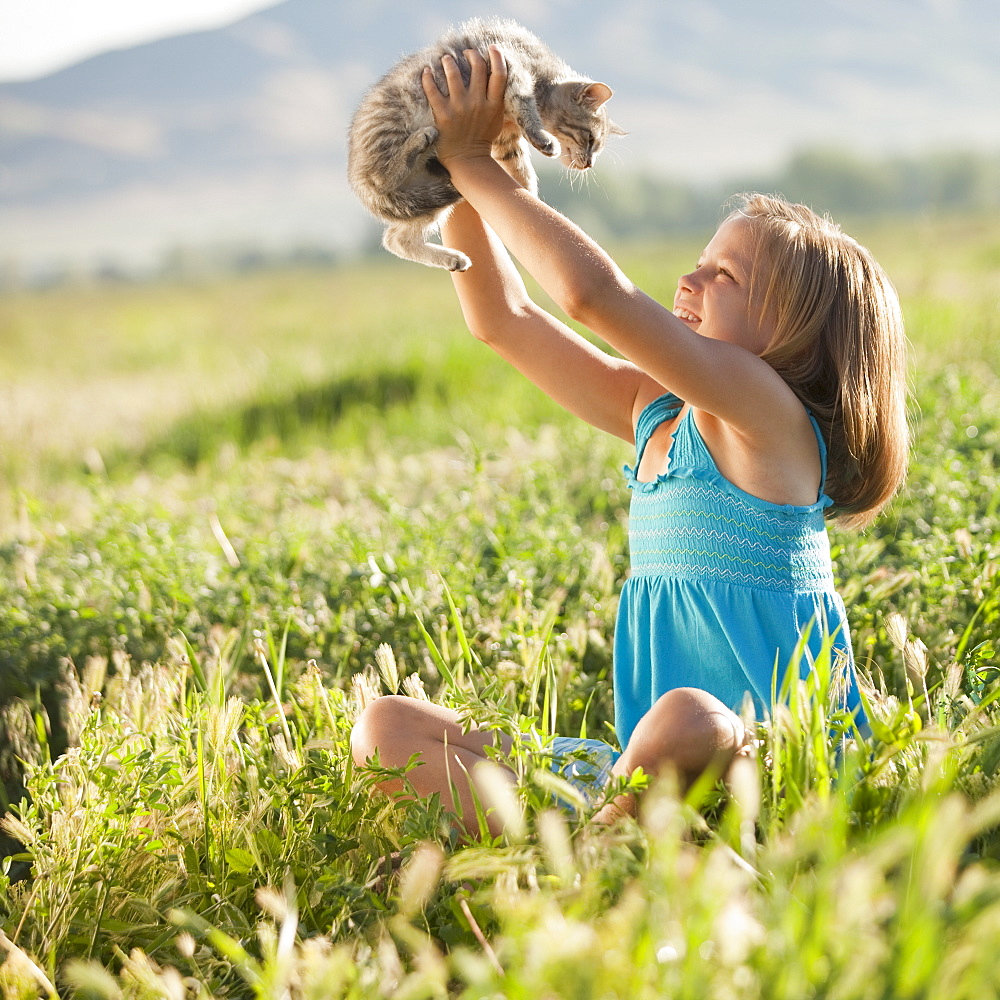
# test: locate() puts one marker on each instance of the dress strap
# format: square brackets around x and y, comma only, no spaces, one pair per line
[822,452]
[664,407]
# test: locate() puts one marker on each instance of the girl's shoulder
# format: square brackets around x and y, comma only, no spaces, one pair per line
[786,467]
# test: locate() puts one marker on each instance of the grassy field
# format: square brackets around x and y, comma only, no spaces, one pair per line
[235,510]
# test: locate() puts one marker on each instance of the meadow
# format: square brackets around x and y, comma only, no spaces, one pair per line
[234,509]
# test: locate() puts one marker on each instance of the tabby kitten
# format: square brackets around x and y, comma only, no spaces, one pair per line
[392,165]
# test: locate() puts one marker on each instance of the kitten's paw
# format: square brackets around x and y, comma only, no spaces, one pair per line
[458,262]
[547,145]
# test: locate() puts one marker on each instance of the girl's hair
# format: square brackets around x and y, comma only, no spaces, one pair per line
[838,341]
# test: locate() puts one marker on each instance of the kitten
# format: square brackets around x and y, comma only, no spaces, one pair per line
[392,165]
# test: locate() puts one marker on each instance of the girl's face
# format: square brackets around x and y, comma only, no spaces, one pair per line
[714,299]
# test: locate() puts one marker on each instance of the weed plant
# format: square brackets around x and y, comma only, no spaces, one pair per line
[268,502]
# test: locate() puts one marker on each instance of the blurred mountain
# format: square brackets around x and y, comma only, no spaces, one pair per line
[237,135]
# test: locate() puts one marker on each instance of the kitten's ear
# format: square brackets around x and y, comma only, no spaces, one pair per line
[594,95]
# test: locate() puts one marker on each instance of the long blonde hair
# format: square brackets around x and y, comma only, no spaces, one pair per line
[838,342]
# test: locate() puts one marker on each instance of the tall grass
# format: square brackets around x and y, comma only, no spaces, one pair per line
[227,844]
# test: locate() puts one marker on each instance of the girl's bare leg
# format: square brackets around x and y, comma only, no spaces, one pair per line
[397,727]
[686,733]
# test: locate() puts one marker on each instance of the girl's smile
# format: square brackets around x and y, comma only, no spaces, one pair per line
[686,315]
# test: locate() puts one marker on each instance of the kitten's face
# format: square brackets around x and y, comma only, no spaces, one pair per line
[578,119]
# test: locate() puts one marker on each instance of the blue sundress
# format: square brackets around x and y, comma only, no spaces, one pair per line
[722,583]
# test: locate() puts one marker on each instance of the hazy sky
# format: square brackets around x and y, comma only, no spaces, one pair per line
[39,36]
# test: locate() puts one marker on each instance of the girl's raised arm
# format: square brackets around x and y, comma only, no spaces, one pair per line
[588,382]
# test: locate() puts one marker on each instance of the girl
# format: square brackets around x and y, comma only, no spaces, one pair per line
[773,394]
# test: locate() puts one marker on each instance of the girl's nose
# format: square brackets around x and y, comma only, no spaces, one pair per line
[686,282]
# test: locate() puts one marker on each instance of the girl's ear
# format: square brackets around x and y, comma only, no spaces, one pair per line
[594,95]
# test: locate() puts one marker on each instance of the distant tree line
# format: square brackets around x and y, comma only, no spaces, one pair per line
[828,180]
[636,205]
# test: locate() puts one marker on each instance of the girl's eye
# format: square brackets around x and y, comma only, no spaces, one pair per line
[727,274]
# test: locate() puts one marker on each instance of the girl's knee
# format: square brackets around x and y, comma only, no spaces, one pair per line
[686,731]
[379,723]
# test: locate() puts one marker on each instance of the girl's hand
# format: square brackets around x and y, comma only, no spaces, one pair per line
[469,117]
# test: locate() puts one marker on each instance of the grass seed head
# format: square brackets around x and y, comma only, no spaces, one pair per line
[419,878]
[896,629]
[364,690]
[413,687]
[385,660]
[915,658]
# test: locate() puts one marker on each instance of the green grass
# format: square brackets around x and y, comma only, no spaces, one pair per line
[222,499]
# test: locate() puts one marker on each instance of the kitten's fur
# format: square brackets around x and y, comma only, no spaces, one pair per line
[392,165]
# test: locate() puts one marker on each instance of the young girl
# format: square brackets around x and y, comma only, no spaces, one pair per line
[772,395]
